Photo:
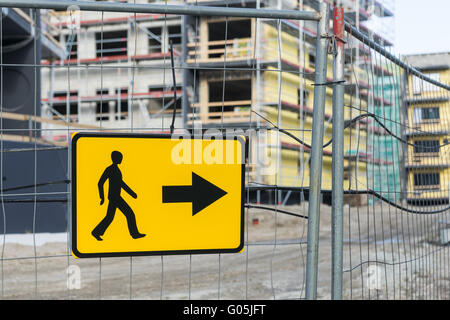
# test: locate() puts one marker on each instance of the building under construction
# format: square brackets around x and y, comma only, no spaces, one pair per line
[112,72]
[236,73]
[33,183]
[427,106]
[277,90]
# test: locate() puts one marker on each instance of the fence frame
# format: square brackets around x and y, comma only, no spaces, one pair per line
[340,24]
[193,10]
[354,32]
[337,192]
[315,184]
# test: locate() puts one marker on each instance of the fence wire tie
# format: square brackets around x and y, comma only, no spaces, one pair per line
[332,46]
[329,83]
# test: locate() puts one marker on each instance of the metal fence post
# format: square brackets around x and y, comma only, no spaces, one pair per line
[337,192]
[316,151]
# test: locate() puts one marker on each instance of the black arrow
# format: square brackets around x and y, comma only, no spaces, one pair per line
[201,193]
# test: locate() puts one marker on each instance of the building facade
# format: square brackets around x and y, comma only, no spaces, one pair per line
[116,73]
[427,107]
[236,73]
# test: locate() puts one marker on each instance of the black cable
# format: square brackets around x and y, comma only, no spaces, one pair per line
[357,118]
[375,117]
[282,130]
[353,192]
[34,200]
[259,187]
[35,185]
[379,196]
[17,45]
[33,149]
[248,187]
[276,210]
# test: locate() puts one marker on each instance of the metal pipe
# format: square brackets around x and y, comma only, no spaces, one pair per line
[163,9]
[337,191]
[375,46]
[316,152]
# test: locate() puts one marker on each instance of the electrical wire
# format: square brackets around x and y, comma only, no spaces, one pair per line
[251,206]
[305,190]
[347,125]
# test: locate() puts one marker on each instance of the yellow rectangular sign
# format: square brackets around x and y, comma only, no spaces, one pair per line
[150,194]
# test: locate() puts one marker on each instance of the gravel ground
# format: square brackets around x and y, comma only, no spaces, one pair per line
[387,255]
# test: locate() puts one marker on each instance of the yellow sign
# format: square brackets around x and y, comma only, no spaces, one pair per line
[147,194]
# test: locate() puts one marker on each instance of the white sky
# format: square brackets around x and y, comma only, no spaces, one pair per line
[422,26]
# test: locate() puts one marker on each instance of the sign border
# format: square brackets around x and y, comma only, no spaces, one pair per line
[73,229]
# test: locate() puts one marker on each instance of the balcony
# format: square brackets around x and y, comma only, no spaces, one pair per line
[232,42]
[427,153]
[420,98]
[221,51]
[427,185]
[236,111]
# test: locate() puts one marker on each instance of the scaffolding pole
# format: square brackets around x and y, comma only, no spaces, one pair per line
[192,10]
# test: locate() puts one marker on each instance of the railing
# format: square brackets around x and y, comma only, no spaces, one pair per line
[220,50]
[240,112]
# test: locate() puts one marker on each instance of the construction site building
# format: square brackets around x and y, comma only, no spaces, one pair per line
[33,183]
[237,73]
[227,97]
[116,74]
[427,107]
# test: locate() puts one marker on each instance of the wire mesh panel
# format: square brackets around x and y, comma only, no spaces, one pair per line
[396,217]
[218,68]
[104,71]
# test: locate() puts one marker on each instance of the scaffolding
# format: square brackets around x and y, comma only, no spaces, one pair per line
[110,54]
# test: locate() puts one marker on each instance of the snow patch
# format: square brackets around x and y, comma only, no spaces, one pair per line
[30,239]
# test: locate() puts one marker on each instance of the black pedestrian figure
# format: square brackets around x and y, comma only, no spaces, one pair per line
[116,184]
